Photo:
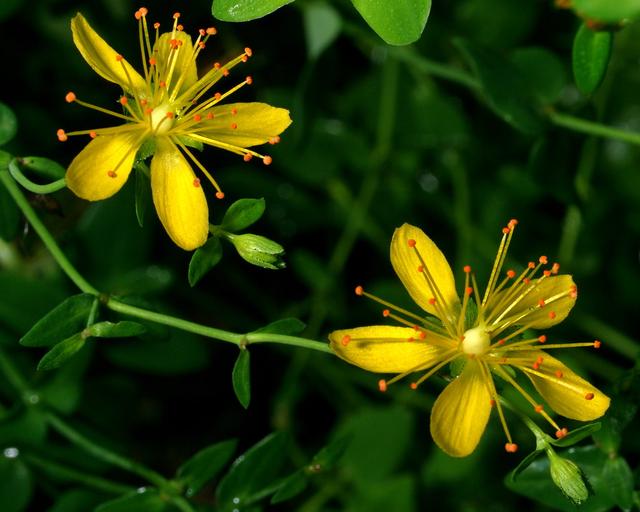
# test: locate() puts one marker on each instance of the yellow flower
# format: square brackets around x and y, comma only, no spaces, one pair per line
[491,339]
[169,108]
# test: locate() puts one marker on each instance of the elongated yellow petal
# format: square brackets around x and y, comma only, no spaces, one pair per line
[406,262]
[461,412]
[567,393]
[553,311]
[178,197]
[385,349]
[102,58]
[179,56]
[103,166]
[245,124]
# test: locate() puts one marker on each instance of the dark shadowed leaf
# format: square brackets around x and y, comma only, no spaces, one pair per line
[16,483]
[147,501]
[204,259]
[544,71]
[619,478]
[322,24]
[8,124]
[288,326]
[241,377]
[292,486]
[143,187]
[205,465]
[61,352]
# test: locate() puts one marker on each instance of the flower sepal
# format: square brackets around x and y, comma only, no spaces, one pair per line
[258,250]
[569,478]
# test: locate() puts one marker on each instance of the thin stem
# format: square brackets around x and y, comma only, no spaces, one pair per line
[104,454]
[44,234]
[67,474]
[294,341]
[592,128]
[12,375]
[36,188]
[613,338]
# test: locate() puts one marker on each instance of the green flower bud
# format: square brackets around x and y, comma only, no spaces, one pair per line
[568,477]
[258,250]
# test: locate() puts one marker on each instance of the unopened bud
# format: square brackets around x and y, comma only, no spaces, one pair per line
[259,251]
[569,478]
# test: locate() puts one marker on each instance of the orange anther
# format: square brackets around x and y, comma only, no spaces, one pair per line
[201,45]
[536,365]
[137,15]
[492,402]
[143,11]
[176,15]
[148,110]
[143,102]
[196,182]
[501,342]
[467,269]
[589,396]
[546,273]
[123,100]
[248,52]
[506,230]
[93,134]
[249,80]
[511,447]
[152,61]
[156,25]
[70,97]
[386,312]
[201,32]
[219,194]
[244,58]
[555,267]
[543,260]
[225,72]
[119,57]
[538,408]
[267,160]
[512,223]
[197,118]
[247,157]
[432,301]
[561,433]
[216,65]
[274,140]
[531,264]
[112,174]
[542,338]
[210,115]
[170,115]
[559,374]
[541,303]
[526,280]
[410,339]
[217,96]
[345,340]
[468,290]
[359,290]
[180,28]
[411,242]
[382,385]
[420,269]
[422,335]
[211,31]
[597,344]
[234,111]
[62,136]
[552,315]
[413,385]
[162,84]
[511,274]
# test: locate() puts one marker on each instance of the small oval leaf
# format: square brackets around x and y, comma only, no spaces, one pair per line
[67,318]
[205,465]
[8,124]
[322,24]
[143,188]
[61,352]
[399,22]
[245,10]
[291,486]
[122,329]
[608,11]
[288,326]
[591,52]
[204,259]
[241,377]
[242,214]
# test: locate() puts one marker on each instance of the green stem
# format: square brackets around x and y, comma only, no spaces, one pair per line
[61,472]
[104,454]
[36,188]
[294,341]
[613,338]
[592,128]
[44,234]
[13,376]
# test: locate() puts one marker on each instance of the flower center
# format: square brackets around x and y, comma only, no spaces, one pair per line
[162,119]
[476,341]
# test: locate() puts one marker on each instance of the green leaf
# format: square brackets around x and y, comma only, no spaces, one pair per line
[291,486]
[67,318]
[619,478]
[205,465]
[143,188]
[543,70]
[75,501]
[608,11]
[16,483]
[322,25]
[204,259]
[61,352]
[146,501]
[591,52]
[9,212]
[397,23]
[524,464]
[122,329]
[8,124]
[43,167]
[245,10]
[329,455]
[242,214]
[252,472]
[63,390]
[241,377]
[505,87]
[26,427]
[287,326]
[577,435]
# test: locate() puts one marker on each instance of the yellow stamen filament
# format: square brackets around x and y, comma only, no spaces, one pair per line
[496,398]
[198,164]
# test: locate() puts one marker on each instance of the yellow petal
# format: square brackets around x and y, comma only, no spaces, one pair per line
[566,394]
[184,70]
[103,166]
[461,412]
[102,58]
[406,262]
[255,123]
[385,349]
[178,197]
[553,312]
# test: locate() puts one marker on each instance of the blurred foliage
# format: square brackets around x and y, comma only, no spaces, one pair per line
[454,134]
